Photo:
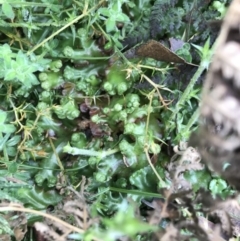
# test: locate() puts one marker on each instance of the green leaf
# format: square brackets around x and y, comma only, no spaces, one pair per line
[14,140]
[226,165]
[3,116]
[13,167]
[11,151]
[110,25]
[4,194]
[22,59]
[5,226]
[38,198]
[124,223]
[136,192]
[5,50]
[217,186]
[32,80]
[121,17]
[205,53]
[73,29]
[8,10]
[198,179]
[5,128]
[3,141]
[104,11]
[145,179]
[10,74]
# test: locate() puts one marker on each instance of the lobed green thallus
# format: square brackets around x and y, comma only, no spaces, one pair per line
[81,71]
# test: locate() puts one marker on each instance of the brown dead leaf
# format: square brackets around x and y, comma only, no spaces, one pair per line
[19,226]
[156,50]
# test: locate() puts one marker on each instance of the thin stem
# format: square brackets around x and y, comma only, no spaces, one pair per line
[135,192]
[185,94]
[153,168]
[55,219]
[150,97]
[163,70]
[192,120]
[85,152]
[57,157]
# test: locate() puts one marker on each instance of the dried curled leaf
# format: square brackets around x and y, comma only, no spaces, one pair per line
[60,227]
[80,212]
[185,159]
